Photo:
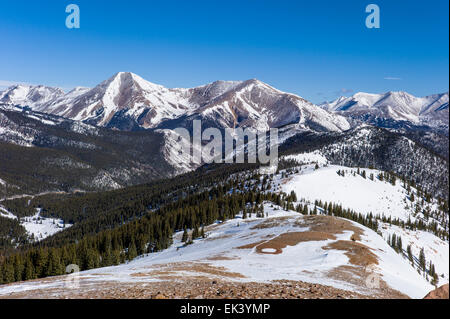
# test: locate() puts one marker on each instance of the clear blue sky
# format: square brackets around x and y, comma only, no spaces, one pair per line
[317,49]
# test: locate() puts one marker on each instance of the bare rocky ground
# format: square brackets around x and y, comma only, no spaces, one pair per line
[439,293]
[198,288]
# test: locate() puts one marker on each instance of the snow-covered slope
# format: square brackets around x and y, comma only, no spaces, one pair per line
[282,246]
[399,106]
[379,197]
[37,227]
[436,112]
[54,106]
[31,96]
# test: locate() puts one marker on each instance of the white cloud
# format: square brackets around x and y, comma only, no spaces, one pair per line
[392,78]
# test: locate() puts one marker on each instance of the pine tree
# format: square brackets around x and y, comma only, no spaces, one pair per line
[29,272]
[8,273]
[41,263]
[410,255]
[399,244]
[185,236]
[195,233]
[422,260]
[132,251]
[54,264]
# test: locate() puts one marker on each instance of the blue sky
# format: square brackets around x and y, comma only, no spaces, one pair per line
[317,49]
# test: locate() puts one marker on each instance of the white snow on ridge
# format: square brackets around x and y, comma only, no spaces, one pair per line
[355,192]
[308,158]
[42,227]
[37,226]
[5,213]
[43,120]
[366,196]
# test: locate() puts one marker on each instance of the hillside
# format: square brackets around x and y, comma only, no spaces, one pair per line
[370,195]
[369,146]
[284,250]
[44,153]
[297,245]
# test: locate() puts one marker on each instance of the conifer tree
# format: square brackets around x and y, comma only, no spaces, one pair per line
[185,236]
[410,255]
[195,233]
[422,260]
[132,251]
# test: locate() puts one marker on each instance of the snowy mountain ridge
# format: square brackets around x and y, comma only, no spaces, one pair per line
[430,110]
[126,101]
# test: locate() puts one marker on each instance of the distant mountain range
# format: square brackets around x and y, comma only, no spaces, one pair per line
[394,107]
[128,102]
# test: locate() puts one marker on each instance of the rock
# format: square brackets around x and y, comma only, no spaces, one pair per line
[438,293]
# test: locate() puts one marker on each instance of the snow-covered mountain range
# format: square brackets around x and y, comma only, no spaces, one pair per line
[430,110]
[27,95]
[127,101]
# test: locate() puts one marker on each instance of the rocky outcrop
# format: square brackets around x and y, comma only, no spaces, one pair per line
[438,293]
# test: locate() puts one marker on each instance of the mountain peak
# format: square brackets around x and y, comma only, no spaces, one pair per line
[394,105]
[124,76]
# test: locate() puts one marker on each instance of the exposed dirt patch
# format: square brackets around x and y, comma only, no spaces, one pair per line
[219,237]
[271,222]
[328,224]
[221,257]
[251,246]
[277,244]
[200,269]
[359,254]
